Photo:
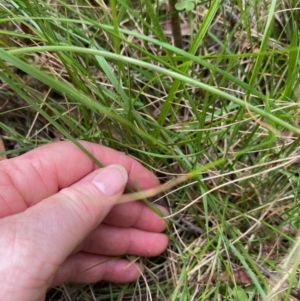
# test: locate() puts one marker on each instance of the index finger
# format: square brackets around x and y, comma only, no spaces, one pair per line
[44,171]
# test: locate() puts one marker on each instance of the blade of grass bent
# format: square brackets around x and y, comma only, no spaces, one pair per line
[7,56]
[200,60]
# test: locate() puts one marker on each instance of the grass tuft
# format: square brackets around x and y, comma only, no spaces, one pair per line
[108,72]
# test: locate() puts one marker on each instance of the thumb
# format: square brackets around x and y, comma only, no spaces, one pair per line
[74,212]
[37,241]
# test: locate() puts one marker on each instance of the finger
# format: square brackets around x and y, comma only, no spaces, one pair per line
[56,166]
[138,215]
[114,241]
[51,230]
[89,268]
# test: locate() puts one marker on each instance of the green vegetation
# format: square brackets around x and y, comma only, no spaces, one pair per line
[110,73]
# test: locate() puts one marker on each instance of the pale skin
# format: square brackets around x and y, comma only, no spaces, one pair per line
[59,217]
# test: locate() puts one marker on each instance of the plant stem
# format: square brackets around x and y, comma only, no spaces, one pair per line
[175,24]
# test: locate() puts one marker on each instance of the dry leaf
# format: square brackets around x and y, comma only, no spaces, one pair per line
[240,276]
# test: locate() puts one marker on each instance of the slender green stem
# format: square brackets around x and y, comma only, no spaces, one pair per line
[158,69]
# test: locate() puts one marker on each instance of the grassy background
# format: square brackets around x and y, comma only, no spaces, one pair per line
[108,72]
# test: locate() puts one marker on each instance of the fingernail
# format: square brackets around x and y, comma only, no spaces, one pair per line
[111,179]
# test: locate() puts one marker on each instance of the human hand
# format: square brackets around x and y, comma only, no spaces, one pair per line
[52,204]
